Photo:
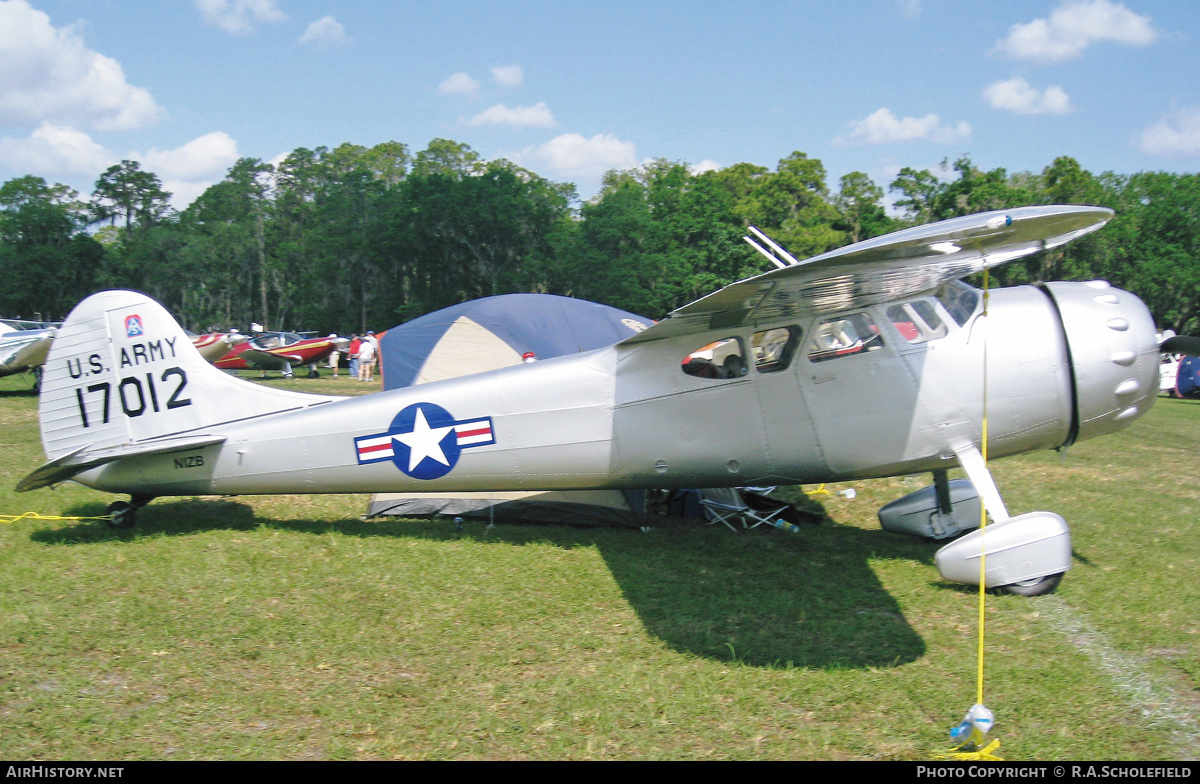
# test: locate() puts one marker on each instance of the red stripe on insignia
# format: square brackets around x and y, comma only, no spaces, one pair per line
[362,450]
[483,431]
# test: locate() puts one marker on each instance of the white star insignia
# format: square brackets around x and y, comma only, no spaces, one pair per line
[424,441]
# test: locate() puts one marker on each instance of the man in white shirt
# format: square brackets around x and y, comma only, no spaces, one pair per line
[367,353]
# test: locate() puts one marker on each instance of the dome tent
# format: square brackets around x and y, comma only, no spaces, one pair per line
[495,332]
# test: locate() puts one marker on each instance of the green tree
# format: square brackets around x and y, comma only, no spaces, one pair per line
[859,203]
[47,261]
[125,191]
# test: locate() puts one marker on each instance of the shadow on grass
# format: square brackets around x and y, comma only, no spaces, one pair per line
[764,598]
[18,393]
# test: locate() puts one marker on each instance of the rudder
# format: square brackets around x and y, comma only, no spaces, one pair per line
[121,370]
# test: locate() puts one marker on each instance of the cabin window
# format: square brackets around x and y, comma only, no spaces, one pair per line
[722,358]
[959,300]
[917,321]
[844,336]
[774,348]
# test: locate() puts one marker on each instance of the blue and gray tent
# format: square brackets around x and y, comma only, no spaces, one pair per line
[495,332]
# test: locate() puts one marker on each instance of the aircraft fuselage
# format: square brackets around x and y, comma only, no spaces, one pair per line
[876,391]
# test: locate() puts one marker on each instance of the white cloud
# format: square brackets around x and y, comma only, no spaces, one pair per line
[1074,26]
[883,127]
[206,156]
[55,151]
[705,166]
[184,192]
[538,116]
[1174,136]
[508,75]
[325,33]
[573,155]
[189,170]
[50,75]
[1016,95]
[459,84]
[239,17]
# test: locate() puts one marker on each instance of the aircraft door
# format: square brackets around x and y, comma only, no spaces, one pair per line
[687,415]
[862,398]
[793,449]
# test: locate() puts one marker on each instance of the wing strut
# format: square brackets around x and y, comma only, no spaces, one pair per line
[788,259]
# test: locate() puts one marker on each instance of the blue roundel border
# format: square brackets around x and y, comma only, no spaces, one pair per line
[424,441]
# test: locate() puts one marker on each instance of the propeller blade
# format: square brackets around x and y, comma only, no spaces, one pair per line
[1181,344]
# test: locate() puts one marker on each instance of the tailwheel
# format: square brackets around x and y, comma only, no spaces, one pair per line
[123,514]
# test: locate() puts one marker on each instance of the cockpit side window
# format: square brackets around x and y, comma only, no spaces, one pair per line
[917,321]
[844,336]
[959,300]
[721,359]
[774,348]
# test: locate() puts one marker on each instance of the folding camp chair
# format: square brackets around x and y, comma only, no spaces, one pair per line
[725,505]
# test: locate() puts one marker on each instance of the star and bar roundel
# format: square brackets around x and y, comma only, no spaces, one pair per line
[425,441]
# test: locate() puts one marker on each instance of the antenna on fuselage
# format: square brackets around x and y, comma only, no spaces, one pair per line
[788,259]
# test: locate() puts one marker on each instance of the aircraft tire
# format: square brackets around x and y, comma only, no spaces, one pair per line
[124,514]
[1036,587]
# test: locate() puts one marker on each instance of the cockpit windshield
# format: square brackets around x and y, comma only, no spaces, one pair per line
[959,300]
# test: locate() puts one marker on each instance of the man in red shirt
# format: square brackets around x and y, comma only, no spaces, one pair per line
[355,343]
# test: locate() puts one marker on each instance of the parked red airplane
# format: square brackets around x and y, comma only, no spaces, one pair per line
[215,345]
[279,351]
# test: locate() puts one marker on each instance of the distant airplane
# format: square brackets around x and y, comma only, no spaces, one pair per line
[868,361]
[279,351]
[24,345]
[214,345]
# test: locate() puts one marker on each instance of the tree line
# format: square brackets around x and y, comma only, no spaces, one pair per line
[354,237]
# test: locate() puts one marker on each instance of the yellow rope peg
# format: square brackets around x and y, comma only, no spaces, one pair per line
[970,737]
[819,491]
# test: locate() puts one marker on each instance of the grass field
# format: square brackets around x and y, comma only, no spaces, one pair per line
[289,628]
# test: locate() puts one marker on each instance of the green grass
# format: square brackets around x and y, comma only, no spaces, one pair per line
[288,628]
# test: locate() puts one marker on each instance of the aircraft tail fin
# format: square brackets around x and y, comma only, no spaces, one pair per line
[121,371]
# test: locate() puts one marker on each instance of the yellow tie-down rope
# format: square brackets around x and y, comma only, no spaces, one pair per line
[969,734]
[10,519]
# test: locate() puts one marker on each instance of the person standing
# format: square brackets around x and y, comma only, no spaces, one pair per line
[334,356]
[366,357]
[355,342]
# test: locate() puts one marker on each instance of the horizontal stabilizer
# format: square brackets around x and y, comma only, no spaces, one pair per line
[63,468]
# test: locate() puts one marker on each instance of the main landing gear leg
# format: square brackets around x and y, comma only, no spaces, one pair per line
[1032,549]
[124,513]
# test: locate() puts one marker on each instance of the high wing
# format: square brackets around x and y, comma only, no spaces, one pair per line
[884,268]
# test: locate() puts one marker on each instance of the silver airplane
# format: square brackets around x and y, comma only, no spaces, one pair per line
[868,361]
[24,345]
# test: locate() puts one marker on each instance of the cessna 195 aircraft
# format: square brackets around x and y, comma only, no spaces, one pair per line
[867,361]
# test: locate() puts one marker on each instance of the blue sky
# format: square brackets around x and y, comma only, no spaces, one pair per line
[570,89]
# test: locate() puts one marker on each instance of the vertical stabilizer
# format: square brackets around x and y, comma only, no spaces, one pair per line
[121,371]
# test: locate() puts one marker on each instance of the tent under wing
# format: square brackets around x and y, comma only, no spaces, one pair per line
[623,508]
